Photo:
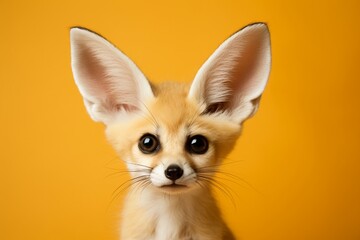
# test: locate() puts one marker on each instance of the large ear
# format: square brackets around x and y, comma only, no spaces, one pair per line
[110,83]
[231,81]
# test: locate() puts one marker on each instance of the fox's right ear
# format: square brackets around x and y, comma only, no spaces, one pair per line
[110,83]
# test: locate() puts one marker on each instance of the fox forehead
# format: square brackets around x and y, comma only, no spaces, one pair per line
[174,117]
[171,108]
[169,113]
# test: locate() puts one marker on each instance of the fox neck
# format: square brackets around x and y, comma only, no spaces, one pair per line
[174,216]
[183,203]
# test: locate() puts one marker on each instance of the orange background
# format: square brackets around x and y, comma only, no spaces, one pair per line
[300,152]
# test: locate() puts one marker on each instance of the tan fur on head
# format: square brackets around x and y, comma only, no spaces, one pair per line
[173,117]
[173,136]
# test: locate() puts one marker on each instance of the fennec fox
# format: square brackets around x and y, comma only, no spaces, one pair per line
[172,136]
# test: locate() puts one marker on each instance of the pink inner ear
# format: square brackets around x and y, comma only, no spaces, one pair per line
[104,77]
[236,73]
[247,76]
[107,79]
[92,73]
[97,80]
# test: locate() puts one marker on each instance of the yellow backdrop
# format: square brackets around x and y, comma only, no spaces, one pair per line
[300,153]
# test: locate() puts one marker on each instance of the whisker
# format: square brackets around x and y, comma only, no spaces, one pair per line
[115,173]
[114,169]
[113,159]
[144,184]
[128,181]
[123,172]
[234,179]
[154,121]
[200,184]
[219,165]
[223,188]
[125,185]
[196,114]
[138,164]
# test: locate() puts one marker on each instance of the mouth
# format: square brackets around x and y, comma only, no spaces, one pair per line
[174,188]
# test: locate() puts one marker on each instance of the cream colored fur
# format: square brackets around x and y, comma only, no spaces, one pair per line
[225,92]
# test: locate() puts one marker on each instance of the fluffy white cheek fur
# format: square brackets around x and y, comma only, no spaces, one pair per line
[157,177]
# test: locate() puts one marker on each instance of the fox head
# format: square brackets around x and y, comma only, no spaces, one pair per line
[173,135]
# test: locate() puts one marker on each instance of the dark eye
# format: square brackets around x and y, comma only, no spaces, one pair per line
[197,144]
[149,144]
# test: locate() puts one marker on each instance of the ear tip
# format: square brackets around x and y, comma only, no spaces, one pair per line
[257,28]
[259,25]
[77,31]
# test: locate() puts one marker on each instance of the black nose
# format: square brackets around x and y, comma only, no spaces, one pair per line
[174,172]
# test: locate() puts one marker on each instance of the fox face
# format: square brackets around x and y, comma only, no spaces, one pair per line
[173,136]
[173,146]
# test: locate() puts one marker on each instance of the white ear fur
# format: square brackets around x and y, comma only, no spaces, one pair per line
[232,80]
[110,83]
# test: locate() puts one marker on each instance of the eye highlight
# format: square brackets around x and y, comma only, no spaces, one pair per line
[197,144]
[149,144]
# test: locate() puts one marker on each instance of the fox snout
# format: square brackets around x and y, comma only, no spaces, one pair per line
[173,176]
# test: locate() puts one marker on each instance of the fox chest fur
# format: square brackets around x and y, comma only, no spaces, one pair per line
[178,218]
[172,136]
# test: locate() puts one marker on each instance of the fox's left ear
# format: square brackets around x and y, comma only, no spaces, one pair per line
[232,80]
